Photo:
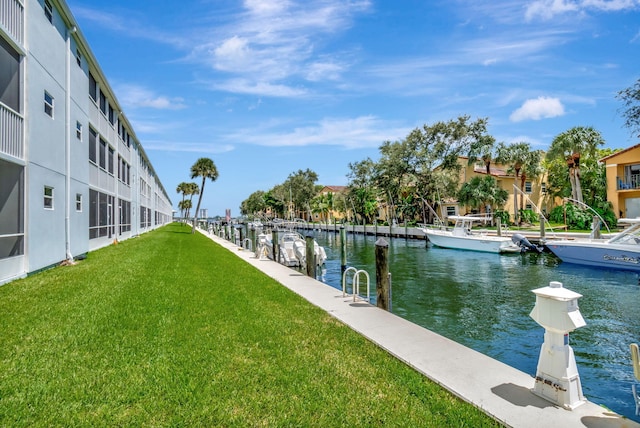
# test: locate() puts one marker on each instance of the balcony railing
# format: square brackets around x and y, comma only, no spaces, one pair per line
[12,19]
[628,183]
[11,132]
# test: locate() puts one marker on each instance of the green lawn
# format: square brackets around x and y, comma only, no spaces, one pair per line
[170,329]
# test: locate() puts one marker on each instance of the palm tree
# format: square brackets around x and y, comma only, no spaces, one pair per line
[571,145]
[523,163]
[192,189]
[185,206]
[205,168]
[482,150]
[182,188]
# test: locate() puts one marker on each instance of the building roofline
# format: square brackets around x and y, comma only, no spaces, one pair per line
[618,153]
[92,61]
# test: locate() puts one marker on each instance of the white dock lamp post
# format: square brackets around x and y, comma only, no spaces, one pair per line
[557,378]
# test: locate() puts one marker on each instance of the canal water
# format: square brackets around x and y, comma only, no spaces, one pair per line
[483,301]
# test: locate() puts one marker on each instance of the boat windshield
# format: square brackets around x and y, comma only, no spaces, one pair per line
[629,236]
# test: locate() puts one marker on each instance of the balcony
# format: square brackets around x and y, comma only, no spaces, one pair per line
[12,19]
[628,183]
[11,132]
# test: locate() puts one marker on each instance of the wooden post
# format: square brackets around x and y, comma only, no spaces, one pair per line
[311,257]
[499,226]
[596,228]
[382,274]
[343,249]
[542,227]
[275,248]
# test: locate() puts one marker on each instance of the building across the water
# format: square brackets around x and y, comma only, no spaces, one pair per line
[73,175]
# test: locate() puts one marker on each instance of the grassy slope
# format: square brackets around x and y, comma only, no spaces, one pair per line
[171,329]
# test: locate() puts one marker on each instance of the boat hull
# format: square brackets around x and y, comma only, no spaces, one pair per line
[486,244]
[597,254]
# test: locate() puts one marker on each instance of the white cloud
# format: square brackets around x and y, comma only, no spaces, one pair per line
[273,41]
[547,9]
[350,133]
[247,86]
[539,108]
[135,96]
[185,146]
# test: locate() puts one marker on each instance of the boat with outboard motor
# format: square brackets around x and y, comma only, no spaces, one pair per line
[619,252]
[292,248]
[461,237]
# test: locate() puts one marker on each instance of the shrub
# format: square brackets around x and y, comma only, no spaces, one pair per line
[502,215]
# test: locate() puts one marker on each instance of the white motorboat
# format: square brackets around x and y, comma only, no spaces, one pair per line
[293,250]
[620,252]
[462,238]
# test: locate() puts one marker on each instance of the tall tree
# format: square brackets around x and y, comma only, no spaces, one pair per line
[182,188]
[301,188]
[205,168]
[630,97]
[185,206]
[361,194]
[523,163]
[255,203]
[571,145]
[482,150]
[426,161]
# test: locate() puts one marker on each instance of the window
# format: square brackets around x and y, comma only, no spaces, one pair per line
[101,215]
[48,197]
[93,88]
[110,160]
[103,103]
[10,76]
[125,215]
[102,161]
[93,142]
[529,206]
[78,57]
[79,202]
[79,131]
[48,104]
[48,11]
[451,211]
[11,210]
[527,187]
[112,116]
[543,188]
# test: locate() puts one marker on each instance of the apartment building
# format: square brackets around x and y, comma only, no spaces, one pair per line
[73,175]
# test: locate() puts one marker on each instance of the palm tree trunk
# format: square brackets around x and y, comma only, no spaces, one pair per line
[577,185]
[572,181]
[195,215]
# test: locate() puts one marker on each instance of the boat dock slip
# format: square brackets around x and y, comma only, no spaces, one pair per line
[501,391]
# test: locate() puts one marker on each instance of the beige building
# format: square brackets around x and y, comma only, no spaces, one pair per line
[535,194]
[623,181]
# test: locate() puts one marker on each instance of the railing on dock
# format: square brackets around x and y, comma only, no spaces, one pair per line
[355,285]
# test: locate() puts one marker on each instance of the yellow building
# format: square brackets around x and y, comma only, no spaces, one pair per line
[623,181]
[534,189]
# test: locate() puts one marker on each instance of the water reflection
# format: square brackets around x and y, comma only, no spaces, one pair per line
[483,301]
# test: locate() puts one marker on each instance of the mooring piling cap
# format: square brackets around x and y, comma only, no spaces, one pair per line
[381,242]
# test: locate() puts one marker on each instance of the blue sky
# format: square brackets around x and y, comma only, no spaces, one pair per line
[265,88]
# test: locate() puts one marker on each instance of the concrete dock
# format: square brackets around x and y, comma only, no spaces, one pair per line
[501,391]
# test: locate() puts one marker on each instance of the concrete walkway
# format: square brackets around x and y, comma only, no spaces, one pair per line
[499,390]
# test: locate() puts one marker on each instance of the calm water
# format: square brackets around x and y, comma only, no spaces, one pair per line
[483,301]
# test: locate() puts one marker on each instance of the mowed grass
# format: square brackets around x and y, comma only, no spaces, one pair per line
[170,329]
